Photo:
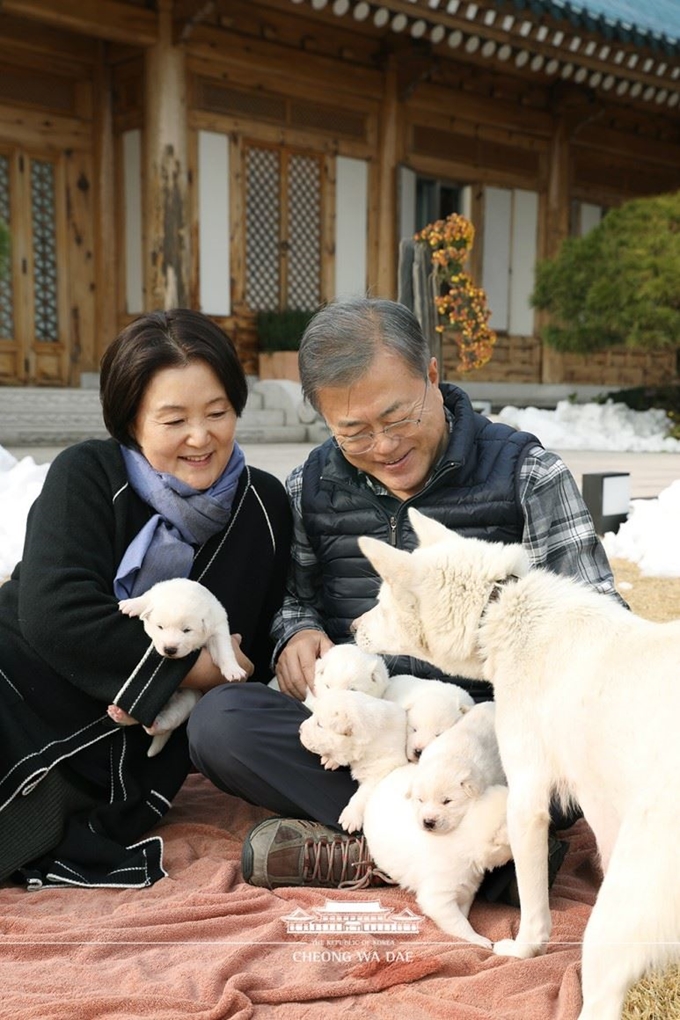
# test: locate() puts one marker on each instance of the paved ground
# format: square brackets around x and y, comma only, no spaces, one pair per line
[650,473]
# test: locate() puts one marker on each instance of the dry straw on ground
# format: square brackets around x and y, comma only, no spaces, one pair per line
[656,997]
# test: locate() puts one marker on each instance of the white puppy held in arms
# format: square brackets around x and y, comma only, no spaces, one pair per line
[181,616]
[444,870]
[456,768]
[570,669]
[364,733]
[432,706]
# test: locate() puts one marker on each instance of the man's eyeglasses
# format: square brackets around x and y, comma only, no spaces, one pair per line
[364,442]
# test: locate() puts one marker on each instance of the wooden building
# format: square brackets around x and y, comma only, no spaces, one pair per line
[236,155]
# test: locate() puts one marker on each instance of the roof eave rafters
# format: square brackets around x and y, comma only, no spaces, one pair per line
[508,35]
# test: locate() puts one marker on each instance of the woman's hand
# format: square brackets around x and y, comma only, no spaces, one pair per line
[204,674]
[297,662]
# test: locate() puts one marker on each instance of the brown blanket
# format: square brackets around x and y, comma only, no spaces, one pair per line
[202,945]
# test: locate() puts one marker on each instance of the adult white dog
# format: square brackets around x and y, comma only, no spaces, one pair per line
[357,730]
[588,698]
[443,870]
[181,616]
[455,768]
[432,706]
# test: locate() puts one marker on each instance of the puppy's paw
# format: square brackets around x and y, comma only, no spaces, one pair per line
[329,763]
[130,607]
[157,727]
[119,716]
[481,940]
[520,950]
[351,819]
[234,674]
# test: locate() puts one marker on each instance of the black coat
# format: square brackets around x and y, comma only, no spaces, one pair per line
[66,653]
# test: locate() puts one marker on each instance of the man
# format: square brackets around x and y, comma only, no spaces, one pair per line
[398,439]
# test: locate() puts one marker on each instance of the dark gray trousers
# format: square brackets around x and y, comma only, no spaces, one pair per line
[244,737]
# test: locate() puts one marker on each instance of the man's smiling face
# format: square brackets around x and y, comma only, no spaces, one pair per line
[388,393]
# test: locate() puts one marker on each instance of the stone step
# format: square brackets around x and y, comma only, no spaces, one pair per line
[31,416]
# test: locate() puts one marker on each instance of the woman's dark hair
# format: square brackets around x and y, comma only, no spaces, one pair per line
[158,340]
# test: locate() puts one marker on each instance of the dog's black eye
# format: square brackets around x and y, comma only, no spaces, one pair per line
[160,627]
[446,800]
[186,630]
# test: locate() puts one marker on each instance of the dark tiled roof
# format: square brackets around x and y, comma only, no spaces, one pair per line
[653,23]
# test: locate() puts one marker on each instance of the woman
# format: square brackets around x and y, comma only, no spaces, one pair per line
[168,496]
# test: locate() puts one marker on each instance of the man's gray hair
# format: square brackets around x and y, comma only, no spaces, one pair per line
[341,341]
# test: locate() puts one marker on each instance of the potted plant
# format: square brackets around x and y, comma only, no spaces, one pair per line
[461,307]
[279,334]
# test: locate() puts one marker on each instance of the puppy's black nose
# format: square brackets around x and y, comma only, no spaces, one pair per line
[170,651]
[429,823]
[417,751]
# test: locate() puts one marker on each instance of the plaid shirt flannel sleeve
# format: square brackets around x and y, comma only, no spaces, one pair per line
[558,530]
[301,605]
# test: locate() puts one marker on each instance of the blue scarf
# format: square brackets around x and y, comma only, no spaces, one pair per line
[184,518]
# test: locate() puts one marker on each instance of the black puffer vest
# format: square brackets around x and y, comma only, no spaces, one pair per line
[473,490]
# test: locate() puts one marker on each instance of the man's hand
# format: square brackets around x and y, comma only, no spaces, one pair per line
[297,662]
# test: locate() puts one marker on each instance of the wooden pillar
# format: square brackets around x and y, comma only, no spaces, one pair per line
[388,157]
[106,258]
[558,188]
[166,201]
[557,224]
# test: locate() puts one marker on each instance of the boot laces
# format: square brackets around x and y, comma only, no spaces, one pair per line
[357,870]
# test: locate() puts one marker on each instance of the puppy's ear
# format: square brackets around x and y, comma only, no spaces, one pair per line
[345,727]
[392,564]
[340,723]
[428,531]
[471,785]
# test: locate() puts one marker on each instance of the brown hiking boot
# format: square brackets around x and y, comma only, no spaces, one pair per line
[291,851]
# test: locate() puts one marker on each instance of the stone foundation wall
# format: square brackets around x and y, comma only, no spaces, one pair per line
[526,360]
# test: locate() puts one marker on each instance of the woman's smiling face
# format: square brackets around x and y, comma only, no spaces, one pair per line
[185,425]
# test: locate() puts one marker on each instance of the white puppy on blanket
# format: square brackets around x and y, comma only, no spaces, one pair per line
[432,706]
[573,672]
[443,870]
[455,768]
[365,733]
[181,616]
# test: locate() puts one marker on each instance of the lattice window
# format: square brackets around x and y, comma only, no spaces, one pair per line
[283,229]
[43,216]
[304,231]
[6,295]
[263,225]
